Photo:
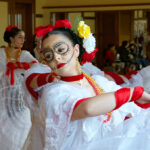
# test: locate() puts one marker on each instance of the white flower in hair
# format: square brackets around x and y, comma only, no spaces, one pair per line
[89,44]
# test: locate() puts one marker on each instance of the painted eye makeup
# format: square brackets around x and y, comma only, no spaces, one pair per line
[61,48]
[48,54]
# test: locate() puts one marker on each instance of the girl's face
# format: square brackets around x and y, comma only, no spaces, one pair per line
[18,40]
[37,42]
[113,49]
[60,54]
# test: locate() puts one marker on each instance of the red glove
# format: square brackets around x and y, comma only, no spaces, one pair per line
[123,95]
[42,78]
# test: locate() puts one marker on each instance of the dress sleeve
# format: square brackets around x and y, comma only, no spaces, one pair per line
[57,104]
[135,80]
[26,57]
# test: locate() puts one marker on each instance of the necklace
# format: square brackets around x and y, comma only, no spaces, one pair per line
[98,91]
[9,59]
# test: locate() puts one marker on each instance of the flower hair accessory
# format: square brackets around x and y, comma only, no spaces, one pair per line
[9,28]
[41,31]
[89,42]
[84,32]
[62,23]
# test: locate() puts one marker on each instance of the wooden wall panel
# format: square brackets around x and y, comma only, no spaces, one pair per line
[106,32]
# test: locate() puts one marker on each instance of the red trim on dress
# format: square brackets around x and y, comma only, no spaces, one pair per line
[79,102]
[115,76]
[28,81]
[129,75]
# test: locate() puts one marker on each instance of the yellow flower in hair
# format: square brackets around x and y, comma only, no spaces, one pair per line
[83,30]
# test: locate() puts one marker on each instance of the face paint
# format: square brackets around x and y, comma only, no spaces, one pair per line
[60,48]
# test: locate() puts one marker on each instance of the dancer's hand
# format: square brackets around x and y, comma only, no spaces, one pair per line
[144,101]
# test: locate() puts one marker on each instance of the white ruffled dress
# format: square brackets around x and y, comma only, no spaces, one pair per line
[15,121]
[142,78]
[57,132]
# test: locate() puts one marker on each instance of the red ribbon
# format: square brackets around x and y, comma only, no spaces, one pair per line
[11,67]
[118,79]
[72,78]
[10,71]
[122,96]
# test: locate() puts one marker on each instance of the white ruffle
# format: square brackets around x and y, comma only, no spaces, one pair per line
[140,79]
[91,70]
[56,105]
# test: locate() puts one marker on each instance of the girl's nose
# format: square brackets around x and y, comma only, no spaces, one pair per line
[57,56]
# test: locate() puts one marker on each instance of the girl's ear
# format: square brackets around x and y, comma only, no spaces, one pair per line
[77,50]
[11,39]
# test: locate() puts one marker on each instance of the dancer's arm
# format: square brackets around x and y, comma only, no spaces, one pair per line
[101,104]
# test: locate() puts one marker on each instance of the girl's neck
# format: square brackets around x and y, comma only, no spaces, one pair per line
[12,54]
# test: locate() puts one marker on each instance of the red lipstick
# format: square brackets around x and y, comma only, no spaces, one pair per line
[60,65]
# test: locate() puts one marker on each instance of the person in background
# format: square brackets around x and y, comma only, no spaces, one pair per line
[110,54]
[124,52]
[37,47]
[14,115]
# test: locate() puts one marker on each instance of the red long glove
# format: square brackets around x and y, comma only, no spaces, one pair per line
[123,95]
[42,79]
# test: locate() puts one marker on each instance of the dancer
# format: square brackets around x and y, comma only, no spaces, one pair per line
[74,107]
[15,116]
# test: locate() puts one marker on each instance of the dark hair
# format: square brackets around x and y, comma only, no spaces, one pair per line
[68,33]
[12,33]
[124,43]
[110,45]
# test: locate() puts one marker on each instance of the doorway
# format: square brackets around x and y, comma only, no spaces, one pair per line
[23,19]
